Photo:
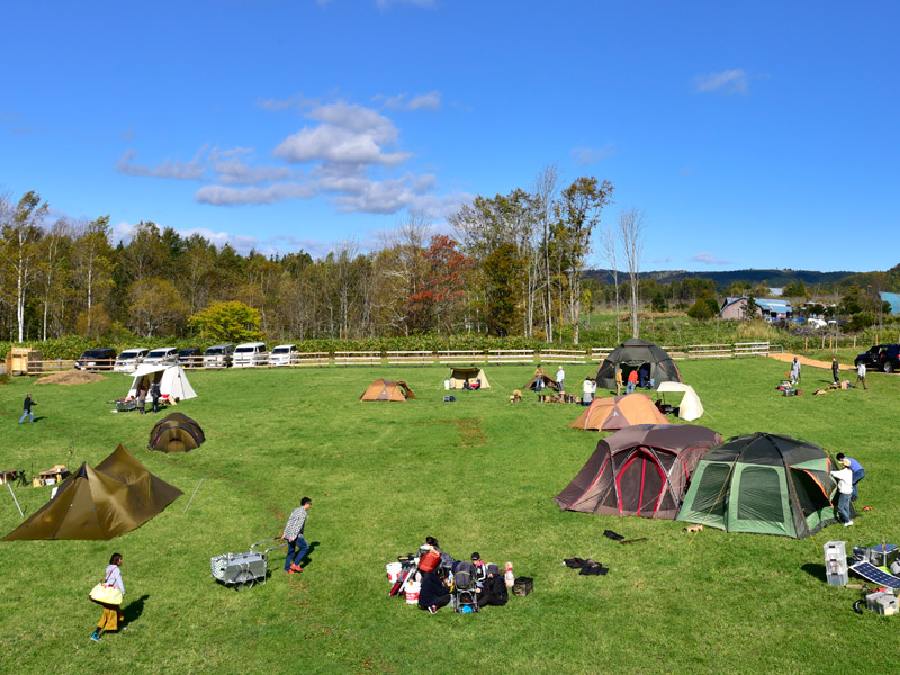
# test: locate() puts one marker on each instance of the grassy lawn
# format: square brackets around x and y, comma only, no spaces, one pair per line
[480,475]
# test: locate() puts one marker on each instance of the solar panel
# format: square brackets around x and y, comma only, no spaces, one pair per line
[869,571]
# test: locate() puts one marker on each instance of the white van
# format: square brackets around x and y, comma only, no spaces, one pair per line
[161,356]
[283,355]
[218,356]
[250,355]
[130,359]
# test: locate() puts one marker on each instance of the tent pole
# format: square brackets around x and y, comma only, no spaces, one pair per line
[13,495]
[192,496]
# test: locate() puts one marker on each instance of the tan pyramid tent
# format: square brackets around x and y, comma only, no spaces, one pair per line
[176,433]
[387,390]
[459,377]
[610,413]
[115,497]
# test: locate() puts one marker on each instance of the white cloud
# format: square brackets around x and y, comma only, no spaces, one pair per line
[220,195]
[192,170]
[708,259]
[430,100]
[733,81]
[586,155]
[348,134]
[235,171]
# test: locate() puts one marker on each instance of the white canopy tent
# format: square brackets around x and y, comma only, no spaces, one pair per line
[172,380]
[691,408]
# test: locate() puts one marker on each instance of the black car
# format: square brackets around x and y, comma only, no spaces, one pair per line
[881,357]
[190,357]
[96,359]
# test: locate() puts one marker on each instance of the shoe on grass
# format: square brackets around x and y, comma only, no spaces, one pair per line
[848,523]
[433,609]
[95,636]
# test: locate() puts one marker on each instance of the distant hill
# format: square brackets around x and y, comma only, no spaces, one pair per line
[772,278]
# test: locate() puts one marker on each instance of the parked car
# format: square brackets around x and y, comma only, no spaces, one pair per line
[250,355]
[96,359]
[190,357]
[218,356]
[283,355]
[881,357]
[162,356]
[129,360]
[816,322]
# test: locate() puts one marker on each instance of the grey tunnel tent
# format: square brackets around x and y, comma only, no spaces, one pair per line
[762,483]
[636,355]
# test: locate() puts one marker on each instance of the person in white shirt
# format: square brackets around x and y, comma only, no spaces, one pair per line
[587,391]
[861,374]
[561,378]
[844,479]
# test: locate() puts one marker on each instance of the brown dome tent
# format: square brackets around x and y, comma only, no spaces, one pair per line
[610,413]
[115,497]
[643,470]
[176,433]
[387,390]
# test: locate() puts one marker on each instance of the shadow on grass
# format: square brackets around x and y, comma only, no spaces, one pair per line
[313,545]
[134,610]
[815,570]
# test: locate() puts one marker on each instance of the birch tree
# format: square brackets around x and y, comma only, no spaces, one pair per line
[631,224]
[20,233]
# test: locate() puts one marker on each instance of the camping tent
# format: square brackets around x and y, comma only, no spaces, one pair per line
[387,390]
[762,483]
[173,381]
[609,413]
[115,497]
[549,382]
[634,355]
[642,470]
[690,407]
[176,433]
[459,376]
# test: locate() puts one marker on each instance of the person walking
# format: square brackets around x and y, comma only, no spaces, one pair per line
[861,374]
[844,478]
[293,535]
[27,412]
[141,401]
[835,367]
[632,381]
[858,473]
[795,371]
[561,379]
[587,391]
[154,395]
[112,615]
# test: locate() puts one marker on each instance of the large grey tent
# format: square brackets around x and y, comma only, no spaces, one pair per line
[636,355]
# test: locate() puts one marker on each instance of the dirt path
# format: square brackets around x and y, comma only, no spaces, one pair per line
[808,362]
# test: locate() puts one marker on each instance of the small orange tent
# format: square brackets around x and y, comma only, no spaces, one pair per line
[617,412]
[386,390]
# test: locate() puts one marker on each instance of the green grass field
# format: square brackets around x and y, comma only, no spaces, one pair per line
[479,474]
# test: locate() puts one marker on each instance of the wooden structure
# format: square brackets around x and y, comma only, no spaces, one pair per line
[52,476]
[23,361]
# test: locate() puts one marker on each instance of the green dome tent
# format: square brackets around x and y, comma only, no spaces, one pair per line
[632,355]
[762,483]
[176,433]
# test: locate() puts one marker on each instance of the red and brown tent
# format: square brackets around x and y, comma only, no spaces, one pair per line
[642,470]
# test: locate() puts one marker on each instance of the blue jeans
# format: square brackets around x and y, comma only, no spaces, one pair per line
[296,552]
[843,508]
[29,414]
[629,388]
[858,475]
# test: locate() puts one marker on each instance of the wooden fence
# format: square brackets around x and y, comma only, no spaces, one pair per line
[463,357]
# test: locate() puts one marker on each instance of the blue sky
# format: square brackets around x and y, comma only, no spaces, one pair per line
[750,134]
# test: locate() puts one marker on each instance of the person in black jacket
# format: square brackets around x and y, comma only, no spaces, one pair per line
[435,590]
[155,394]
[493,592]
[29,402]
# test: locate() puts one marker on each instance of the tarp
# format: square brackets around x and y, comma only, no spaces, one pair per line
[631,355]
[691,408]
[642,470]
[609,413]
[176,433]
[762,483]
[387,390]
[458,377]
[173,381]
[549,382]
[115,497]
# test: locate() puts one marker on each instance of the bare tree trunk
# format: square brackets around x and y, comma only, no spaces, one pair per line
[609,250]
[545,189]
[630,228]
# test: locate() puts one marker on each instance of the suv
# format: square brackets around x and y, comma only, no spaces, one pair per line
[96,359]
[162,356]
[129,360]
[218,356]
[190,357]
[250,355]
[881,357]
[283,355]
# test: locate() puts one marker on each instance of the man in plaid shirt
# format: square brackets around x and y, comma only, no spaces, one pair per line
[293,534]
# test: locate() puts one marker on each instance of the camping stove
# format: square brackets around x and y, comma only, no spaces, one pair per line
[242,570]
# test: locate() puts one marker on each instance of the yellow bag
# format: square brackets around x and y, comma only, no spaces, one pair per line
[106,595]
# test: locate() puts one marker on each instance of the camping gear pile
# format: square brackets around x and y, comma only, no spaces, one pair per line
[242,570]
[115,497]
[176,433]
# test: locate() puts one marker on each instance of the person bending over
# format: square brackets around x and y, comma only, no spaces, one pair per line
[435,590]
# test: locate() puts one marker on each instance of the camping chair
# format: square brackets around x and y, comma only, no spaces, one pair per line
[465,592]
